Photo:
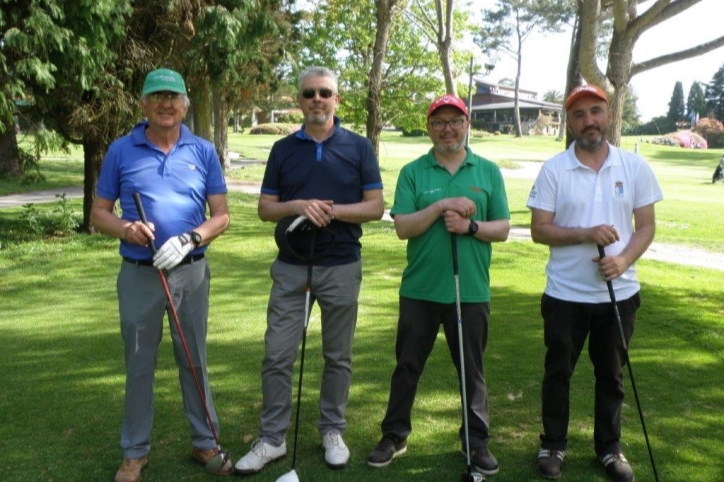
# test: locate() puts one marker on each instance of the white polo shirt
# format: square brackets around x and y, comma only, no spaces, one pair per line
[581,198]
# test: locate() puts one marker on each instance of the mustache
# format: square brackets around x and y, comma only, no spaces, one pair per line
[591,128]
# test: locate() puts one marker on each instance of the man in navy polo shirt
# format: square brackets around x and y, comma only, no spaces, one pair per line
[331,176]
[177,174]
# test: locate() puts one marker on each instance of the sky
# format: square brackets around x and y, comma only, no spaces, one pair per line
[544,68]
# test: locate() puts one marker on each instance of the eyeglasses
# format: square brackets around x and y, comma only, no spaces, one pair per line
[439,125]
[324,93]
[159,97]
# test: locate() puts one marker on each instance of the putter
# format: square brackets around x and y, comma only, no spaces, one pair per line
[291,476]
[627,361]
[217,462]
[469,475]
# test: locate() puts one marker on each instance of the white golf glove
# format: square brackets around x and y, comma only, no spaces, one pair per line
[173,251]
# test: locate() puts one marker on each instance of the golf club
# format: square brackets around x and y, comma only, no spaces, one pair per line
[627,362]
[468,476]
[218,461]
[291,476]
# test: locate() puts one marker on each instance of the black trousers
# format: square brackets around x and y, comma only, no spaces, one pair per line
[417,328]
[566,326]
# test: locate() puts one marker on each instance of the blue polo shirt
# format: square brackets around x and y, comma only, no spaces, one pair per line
[173,186]
[340,169]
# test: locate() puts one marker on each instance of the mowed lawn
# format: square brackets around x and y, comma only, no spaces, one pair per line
[61,367]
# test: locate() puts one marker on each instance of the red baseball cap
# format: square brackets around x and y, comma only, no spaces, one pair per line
[450,100]
[588,90]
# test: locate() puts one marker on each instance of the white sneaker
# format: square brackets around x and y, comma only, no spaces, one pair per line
[336,453]
[261,453]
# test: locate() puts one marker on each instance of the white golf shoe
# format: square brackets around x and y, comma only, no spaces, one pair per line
[261,453]
[336,453]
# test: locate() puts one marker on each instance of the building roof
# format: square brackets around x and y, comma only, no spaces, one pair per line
[522,103]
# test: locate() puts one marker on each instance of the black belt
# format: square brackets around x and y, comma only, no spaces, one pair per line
[149,262]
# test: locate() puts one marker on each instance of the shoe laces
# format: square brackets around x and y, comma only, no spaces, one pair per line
[545,453]
[333,439]
[258,447]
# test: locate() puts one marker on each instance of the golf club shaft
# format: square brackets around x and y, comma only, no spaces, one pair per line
[174,315]
[307,303]
[627,361]
[458,309]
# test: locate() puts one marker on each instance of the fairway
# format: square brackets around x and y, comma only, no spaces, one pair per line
[61,396]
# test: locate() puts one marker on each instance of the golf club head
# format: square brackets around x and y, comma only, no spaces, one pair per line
[217,462]
[472,477]
[289,477]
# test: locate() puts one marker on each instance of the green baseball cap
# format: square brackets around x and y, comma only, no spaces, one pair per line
[161,80]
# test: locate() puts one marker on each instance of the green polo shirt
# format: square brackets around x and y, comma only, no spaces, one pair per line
[429,274]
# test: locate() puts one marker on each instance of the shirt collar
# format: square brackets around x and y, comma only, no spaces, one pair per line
[302,133]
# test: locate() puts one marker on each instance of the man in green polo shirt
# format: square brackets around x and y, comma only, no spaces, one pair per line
[448,190]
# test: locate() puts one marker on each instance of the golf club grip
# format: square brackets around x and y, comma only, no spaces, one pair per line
[142,215]
[454,244]
[609,284]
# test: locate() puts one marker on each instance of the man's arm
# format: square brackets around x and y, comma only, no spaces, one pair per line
[371,208]
[105,221]
[414,224]
[317,211]
[218,221]
[644,229]
[543,231]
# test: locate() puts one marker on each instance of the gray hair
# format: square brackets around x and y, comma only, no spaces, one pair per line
[317,72]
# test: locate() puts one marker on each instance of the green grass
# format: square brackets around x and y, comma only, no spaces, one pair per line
[62,361]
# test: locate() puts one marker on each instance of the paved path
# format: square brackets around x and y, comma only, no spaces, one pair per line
[657,251]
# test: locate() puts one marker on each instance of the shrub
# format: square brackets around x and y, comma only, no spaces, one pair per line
[413,132]
[275,129]
[291,117]
[712,130]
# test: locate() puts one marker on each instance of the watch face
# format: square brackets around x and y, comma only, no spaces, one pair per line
[195,238]
[473,227]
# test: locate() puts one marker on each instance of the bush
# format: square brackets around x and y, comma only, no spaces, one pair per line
[277,129]
[413,132]
[293,117]
[712,130]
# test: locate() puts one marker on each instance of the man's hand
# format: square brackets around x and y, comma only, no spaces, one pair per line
[173,251]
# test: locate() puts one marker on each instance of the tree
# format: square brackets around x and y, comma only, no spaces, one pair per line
[715,94]
[696,101]
[554,96]
[407,79]
[677,109]
[628,26]
[507,28]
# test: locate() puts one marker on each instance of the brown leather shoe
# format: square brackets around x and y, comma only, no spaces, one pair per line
[130,470]
[203,457]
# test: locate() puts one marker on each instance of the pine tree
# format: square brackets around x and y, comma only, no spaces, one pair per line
[696,102]
[715,94]
[677,109]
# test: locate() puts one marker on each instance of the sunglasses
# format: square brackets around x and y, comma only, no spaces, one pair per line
[324,93]
[159,97]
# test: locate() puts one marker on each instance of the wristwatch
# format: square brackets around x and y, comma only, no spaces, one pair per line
[195,238]
[473,228]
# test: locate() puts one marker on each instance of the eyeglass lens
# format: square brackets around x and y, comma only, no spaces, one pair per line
[324,93]
[160,97]
[439,125]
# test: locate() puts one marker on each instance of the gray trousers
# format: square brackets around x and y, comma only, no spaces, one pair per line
[336,290]
[142,304]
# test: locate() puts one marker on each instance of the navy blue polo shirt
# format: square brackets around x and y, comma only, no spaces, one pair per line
[340,169]
[173,186]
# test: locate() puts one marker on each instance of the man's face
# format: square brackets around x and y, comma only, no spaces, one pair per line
[448,129]
[318,99]
[164,110]
[588,121]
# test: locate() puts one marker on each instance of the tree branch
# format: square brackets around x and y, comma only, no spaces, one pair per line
[696,51]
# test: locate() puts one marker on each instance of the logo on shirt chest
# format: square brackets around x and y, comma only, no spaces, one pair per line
[618,189]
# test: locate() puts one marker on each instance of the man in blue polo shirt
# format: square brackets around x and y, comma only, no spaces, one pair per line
[450,190]
[331,176]
[177,174]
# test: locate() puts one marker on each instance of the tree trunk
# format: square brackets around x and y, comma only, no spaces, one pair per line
[516,100]
[201,102]
[384,12]
[9,152]
[573,77]
[444,43]
[221,129]
[93,152]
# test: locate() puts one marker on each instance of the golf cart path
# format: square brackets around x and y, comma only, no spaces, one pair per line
[667,253]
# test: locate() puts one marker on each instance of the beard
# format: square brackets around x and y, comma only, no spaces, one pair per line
[450,149]
[317,118]
[591,145]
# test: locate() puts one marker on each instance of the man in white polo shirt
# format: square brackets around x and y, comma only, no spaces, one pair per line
[591,194]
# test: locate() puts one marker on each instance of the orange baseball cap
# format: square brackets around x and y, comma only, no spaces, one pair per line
[588,90]
[450,100]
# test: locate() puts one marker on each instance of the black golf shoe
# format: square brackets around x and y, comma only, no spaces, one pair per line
[617,467]
[550,463]
[484,461]
[386,449]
